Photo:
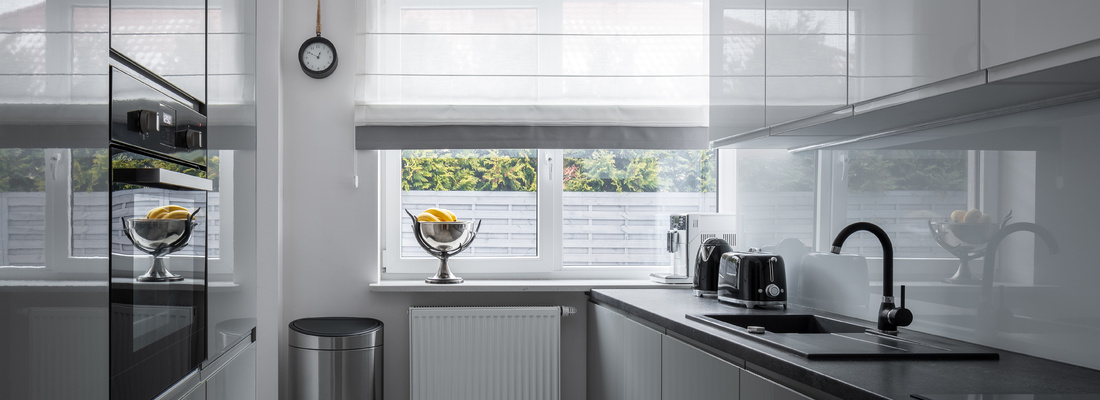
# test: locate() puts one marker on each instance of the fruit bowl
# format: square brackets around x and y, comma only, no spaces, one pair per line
[445,235]
[973,236]
[965,240]
[159,237]
[155,233]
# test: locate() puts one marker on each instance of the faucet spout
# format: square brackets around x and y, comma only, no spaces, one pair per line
[991,253]
[889,316]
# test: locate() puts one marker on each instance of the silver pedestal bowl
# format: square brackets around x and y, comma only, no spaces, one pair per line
[443,240]
[159,237]
[967,241]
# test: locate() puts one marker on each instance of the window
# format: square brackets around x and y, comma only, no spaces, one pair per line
[566,213]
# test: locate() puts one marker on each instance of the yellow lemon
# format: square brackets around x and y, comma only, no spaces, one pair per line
[972,216]
[425,217]
[957,215]
[440,215]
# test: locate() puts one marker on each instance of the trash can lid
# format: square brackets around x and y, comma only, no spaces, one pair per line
[335,333]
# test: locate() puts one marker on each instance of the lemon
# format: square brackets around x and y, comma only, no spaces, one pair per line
[440,215]
[957,215]
[972,216]
[426,217]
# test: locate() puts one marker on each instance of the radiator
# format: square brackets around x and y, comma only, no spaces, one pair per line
[485,353]
[68,352]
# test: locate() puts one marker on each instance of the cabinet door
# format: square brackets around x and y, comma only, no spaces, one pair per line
[737,67]
[624,357]
[901,44]
[166,37]
[806,58]
[1016,29]
[690,373]
[754,386]
[198,394]
[237,380]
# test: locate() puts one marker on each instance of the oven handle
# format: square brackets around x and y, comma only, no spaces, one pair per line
[162,178]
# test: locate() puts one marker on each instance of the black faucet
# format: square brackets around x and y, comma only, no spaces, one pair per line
[986,302]
[889,316]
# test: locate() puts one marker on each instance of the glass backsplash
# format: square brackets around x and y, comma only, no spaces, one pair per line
[1025,172]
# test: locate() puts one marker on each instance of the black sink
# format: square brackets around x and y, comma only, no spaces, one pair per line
[822,338]
[788,323]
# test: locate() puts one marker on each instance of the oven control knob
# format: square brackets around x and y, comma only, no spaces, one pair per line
[189,139]
[772,290]
[143,121]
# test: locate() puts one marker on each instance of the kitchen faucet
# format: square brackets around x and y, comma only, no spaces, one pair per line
[986,303]
[889,316]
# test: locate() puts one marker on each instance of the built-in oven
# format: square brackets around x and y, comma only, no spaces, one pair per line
[159,187]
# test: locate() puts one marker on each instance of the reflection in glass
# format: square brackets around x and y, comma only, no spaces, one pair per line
[616,203]
[496,187]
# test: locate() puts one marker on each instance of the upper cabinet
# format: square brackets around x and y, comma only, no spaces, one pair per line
[167,37]
[736,67]
[899,45]
[837,73]
[806,58]
[1016,29]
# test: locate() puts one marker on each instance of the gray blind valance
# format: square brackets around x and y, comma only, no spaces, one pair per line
[526,137]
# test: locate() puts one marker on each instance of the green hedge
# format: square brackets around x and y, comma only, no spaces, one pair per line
[583,170]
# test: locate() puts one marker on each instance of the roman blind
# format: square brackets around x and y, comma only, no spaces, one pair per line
[532,74]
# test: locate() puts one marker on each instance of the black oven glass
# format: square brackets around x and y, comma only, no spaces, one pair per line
[158,278]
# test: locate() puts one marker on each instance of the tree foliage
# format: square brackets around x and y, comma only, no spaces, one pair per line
[584,170]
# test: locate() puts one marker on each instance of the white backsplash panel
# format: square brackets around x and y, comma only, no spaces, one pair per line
[1038,167]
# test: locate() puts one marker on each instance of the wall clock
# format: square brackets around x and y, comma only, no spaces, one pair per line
[317,56]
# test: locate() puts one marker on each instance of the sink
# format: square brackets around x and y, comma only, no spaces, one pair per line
[821,338]
[788,323]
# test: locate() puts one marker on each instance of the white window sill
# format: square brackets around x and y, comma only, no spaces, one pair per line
[543,285]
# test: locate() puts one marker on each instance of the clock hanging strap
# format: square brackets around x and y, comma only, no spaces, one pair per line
[318,17]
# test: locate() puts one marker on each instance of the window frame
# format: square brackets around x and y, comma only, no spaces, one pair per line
[546,265]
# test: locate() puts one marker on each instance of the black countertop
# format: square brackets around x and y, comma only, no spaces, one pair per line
[862,379]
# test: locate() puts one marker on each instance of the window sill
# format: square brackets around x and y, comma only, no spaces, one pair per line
[543,285]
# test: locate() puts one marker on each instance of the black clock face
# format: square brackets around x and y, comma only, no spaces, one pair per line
[317,57]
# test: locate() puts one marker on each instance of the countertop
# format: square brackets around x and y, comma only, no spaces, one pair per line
[863,379]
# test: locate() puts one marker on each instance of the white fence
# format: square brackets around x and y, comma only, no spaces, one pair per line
[23,226]
[629,228]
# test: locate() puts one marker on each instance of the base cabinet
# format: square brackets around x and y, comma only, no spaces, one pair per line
[628,360]
[236,380]
[624,357]
[754,386]
[690,373]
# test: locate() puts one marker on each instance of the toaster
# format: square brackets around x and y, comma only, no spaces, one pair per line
[752,279]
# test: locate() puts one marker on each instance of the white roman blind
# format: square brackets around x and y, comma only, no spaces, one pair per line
[532,73]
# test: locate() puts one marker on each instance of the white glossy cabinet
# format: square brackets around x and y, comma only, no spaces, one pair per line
[1016,29]
[624,357]
[690,373]
[737,67]
[236,380]
[901,44]
[806,58]
[754,386]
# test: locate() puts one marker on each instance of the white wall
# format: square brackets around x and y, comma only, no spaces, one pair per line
[330,254]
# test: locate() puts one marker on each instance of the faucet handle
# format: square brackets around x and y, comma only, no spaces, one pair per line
[900,316]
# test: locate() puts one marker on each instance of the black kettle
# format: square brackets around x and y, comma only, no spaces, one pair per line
[705,281]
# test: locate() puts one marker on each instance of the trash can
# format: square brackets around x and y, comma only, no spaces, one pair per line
[336,358]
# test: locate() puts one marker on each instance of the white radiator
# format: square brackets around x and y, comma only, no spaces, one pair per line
[485,353]
[68,352]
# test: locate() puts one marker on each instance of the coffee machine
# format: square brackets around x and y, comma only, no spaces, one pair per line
[686,233]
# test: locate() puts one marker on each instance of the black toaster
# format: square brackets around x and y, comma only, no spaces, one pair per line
[752,279]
